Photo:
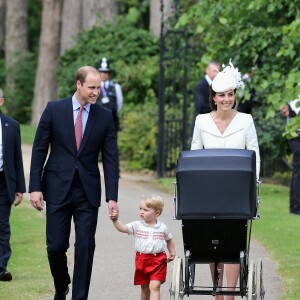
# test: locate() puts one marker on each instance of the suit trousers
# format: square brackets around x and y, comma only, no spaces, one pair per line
[295,182]
[59,217]
[5,208]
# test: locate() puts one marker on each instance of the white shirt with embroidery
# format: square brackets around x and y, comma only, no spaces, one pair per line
[149,238]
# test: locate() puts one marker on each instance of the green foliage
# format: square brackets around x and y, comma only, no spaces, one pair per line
[283,177]
[34,21]
[256,33]
[137,140]
[127,48]
[137,10]
[133,57]
[18,103]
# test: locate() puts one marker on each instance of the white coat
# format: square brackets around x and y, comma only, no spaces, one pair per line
[239,134]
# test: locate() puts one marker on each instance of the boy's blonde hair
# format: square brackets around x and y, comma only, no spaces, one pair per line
[154,201]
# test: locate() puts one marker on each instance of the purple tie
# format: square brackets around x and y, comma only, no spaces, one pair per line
[78,127]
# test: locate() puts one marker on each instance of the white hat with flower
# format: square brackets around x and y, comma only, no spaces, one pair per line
[229,78]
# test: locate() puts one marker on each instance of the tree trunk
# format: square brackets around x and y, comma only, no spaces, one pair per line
[45,81]
[2,24]
[155,14]
[97,12]
[16,44]
[71,23]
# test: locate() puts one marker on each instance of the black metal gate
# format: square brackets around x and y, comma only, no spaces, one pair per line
[173,94]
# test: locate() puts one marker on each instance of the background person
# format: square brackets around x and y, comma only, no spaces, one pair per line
[152,237]
[76,130]
[12,183]
[201,91]
[290,111]
[244,104]
[224,127]
[111,93]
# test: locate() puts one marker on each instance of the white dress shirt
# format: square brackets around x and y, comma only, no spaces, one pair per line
[85,113]
[240,134]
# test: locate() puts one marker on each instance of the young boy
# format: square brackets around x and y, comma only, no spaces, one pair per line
[151,239]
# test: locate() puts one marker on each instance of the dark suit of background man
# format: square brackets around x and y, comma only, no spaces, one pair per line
[69,181]
[201,92]
[291,111]
[12,183]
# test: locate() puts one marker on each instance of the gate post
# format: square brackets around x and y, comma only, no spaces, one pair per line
[161,100]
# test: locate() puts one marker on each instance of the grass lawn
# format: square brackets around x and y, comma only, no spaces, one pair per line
[277,231]
[28,263]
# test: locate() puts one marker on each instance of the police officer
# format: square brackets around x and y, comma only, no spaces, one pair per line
[111,93]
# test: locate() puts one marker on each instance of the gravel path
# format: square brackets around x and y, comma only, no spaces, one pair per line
[112,277]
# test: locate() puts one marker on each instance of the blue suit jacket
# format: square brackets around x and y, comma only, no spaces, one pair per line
[56,129]
[12,157]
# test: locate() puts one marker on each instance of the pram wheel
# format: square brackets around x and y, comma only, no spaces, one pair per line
[176,289]
[191,274]
[260,291]
[251,282]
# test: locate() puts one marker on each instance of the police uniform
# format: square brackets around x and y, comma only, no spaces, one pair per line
[111,95]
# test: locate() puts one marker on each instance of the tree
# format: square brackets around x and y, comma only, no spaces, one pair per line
[98,12]
[2,23]
[16,45]
[84,15]
[71,24]
[45,83]
[155,14]
[106,11]
[260,34]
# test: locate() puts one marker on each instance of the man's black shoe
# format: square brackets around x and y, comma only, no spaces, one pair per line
[5,276]
[61,296]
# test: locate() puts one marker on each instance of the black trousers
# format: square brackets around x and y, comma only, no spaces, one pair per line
[58,228]
[5,208]
[295,182]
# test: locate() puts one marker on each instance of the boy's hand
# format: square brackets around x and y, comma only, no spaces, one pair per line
[114,215]
[171,257]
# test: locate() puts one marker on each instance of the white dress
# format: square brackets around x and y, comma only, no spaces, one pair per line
[239,134]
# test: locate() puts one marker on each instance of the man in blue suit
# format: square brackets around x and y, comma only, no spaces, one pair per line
[69,181]
[12,183]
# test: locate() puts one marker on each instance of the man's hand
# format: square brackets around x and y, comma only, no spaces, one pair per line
[113,210]
[37,200]
[18,198]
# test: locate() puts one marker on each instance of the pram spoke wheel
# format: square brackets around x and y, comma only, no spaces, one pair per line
[251,281]
[176,289]
[260,291]
[191,276]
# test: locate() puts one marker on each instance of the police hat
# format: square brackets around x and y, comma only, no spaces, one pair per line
[104,65]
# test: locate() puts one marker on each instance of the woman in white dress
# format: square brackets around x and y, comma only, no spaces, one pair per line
[225,127]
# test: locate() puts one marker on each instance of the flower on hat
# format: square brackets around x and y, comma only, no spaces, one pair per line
[229,78]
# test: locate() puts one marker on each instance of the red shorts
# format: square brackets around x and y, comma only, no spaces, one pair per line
[150,267]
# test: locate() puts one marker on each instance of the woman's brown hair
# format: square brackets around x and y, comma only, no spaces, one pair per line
[212,94]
